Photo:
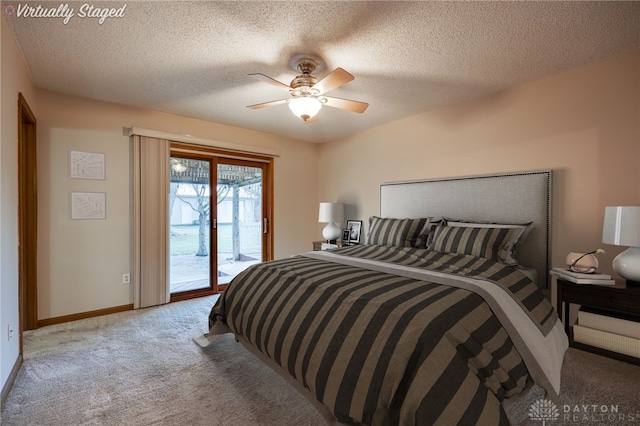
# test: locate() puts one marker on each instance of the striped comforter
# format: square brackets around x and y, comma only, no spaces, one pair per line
[382,348]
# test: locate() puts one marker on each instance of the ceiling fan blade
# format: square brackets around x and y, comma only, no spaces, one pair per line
[333,80]
[354,106]
[271,81]
[267,104]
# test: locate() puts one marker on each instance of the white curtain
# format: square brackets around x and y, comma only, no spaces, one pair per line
[151,221]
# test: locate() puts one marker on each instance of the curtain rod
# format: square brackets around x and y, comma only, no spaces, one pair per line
[232,146]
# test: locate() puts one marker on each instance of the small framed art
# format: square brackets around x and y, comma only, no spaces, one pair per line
[355,228]
[88,205]
[86,165]
[346,235]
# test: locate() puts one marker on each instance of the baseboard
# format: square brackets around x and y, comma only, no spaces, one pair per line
[9,383]
[84,315]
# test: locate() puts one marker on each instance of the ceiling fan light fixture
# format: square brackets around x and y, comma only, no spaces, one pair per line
[305,107]
[307,92]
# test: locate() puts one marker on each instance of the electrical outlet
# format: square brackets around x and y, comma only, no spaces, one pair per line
[126,278]
[9,332]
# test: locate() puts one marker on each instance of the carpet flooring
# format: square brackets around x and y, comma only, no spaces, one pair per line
[143,368]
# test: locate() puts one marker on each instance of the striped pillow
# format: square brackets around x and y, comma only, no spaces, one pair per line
[425,239]
[497,243]
[398,232]
[510,256]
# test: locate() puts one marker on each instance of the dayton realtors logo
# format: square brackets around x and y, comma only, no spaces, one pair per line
[546,411]
[543,410]
[65,12]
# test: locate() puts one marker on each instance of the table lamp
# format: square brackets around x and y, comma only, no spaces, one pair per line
[622,228]
[331,214]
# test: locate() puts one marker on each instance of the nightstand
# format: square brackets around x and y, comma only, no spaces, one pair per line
[618,299]
[317,245]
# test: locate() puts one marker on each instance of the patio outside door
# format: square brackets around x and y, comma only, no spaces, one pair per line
[218,221]
[240,224]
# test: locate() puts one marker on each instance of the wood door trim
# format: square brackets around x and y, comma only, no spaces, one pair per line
[27,218]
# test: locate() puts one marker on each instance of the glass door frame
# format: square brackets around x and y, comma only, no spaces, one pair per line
[203,291]
[216,156]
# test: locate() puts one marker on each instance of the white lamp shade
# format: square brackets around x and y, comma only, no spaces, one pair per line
[305,107]
[331,213]
[622,228]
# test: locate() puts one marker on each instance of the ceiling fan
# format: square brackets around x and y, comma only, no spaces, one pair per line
[307,93]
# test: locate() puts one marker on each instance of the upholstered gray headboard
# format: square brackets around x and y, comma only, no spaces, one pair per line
[513,198]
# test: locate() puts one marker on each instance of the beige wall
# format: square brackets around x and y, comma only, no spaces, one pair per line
[82,261]
[14,79]
[582,124]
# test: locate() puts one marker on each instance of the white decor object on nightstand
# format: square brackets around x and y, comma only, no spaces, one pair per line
[585,263]
[332,214]
[622,228]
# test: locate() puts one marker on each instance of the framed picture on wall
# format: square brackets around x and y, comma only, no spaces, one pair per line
[88,205]
[355,228]
[86,165]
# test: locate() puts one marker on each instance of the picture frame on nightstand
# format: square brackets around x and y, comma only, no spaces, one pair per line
[346,236]
[354,227]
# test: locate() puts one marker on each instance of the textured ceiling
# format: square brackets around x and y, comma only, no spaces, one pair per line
[193,58]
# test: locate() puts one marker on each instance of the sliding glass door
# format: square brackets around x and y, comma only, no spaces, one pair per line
[189,224]
[239,218]
[219,222]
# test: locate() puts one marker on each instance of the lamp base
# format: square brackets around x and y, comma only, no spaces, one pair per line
[627,264]
[331,232]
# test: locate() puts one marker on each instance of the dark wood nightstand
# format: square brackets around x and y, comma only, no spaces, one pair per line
[618,299]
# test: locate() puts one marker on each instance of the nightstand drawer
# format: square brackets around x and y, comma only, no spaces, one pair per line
[611,298]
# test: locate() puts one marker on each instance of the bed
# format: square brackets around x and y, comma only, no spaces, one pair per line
[437,319]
